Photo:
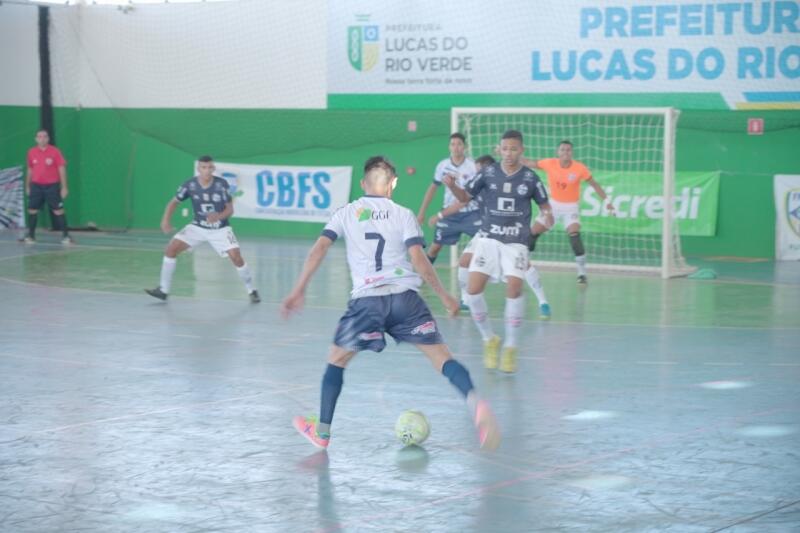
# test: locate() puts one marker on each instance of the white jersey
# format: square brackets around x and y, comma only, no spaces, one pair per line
[377,234]
[465,172]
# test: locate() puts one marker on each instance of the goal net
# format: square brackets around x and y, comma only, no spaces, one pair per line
[630,152]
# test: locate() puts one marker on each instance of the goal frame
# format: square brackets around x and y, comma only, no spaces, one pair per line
[668,268]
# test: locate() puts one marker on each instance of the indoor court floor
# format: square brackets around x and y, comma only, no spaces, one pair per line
[643,405]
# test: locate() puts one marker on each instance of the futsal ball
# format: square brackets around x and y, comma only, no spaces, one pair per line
[412,428]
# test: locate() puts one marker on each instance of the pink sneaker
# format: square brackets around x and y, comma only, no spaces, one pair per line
[488,430]
[307,427]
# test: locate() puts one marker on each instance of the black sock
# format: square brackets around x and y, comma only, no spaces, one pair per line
[432,259]
[33,218]
[61,221]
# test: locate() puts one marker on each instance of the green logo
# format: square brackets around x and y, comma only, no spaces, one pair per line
[363,214]
[363,47]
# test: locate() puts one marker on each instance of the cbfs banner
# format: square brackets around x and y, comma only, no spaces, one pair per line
[638,201]
[279,192]
[787,213]
[711,54]
[12,208]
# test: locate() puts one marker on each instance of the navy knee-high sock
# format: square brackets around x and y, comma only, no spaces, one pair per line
[331,387]
[33,218]
[458,376]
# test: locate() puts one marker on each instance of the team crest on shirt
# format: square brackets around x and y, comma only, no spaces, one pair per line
[48,161]
[522,189]
[571,177]
[215,197]
[425,328]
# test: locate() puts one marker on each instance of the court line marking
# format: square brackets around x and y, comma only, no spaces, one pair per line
[655,442]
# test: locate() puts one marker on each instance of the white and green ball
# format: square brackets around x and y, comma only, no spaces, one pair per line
[412,428]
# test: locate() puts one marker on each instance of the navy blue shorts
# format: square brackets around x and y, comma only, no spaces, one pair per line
[404,316]
[449,229]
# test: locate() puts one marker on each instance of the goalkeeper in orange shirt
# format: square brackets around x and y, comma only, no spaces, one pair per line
[564,177]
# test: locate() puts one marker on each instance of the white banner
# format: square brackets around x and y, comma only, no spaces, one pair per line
[12,209]
[787,211]
[280,192]
[746,52]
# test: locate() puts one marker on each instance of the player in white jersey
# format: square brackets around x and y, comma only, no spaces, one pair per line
[379,234]
[466,218]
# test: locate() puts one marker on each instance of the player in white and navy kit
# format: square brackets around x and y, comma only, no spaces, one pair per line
[466,219]
[213,206]
[380,236]
[501,252]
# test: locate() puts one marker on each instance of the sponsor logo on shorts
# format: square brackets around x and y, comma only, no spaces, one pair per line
[480,261]
[371,336]
[425,328]
[367,281]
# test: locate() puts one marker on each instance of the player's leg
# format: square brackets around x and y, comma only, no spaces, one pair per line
[535,283]
[514,261]
[35,203]
[175,247]
[574,234]
[243,270]
[56,204]
[442,360]
[433,251]
[485,265]
[463,276]
[360,328]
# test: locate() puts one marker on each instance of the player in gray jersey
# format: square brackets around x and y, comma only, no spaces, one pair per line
[381,236]
[213,206]
[501,253]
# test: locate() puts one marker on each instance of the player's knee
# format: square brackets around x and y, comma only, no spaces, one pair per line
[33,211]
[576,243]
[58,212]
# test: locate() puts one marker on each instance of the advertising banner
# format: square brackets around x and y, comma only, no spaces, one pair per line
[787,217]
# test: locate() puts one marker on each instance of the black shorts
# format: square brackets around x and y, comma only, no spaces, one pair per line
[45,193]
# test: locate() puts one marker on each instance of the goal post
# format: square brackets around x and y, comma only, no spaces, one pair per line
[630,152]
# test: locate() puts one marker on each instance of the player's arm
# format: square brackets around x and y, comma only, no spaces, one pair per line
[530,163]
[294,301]
[166,225]
[446,212]
[461,195]
[424,268]
[601,193]
[426,200]
[222,215]
[28,178]
[62,177]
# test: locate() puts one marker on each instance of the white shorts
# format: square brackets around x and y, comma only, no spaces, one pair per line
[498,260]
[566,213]
[221,239]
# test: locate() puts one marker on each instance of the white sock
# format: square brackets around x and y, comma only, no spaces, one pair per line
[580,260]
[480,315]
[535,283]
[246,277]
[167,270]
[515,309]
[463,276]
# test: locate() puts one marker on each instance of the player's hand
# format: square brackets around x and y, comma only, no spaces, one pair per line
[449,179]
[292,304]
[421,219]
[166,227]
[433,220]
[27,190]
[451,305]
[64,192]
[611,210]
[549,220]
[213,217]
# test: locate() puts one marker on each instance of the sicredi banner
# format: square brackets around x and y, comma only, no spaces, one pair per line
[638,202]
[745,53]
[787,217]
[281,192]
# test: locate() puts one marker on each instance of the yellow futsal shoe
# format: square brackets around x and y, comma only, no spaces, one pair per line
[490,351]
[508,362]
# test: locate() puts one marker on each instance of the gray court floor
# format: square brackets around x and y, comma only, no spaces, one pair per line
[643,405]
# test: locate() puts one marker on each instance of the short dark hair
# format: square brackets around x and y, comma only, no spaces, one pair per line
[512,134]
[379,161]
[458,135]
[565,141]
[485,160]
[205,159]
